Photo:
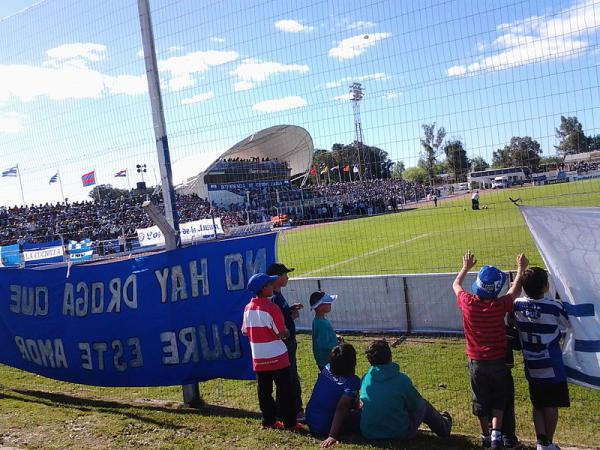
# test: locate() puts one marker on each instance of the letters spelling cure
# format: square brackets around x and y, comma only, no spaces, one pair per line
[170,318]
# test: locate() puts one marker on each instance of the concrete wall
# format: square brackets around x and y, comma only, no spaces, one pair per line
[399,303]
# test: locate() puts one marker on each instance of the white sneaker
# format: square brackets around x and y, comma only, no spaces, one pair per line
[550,446]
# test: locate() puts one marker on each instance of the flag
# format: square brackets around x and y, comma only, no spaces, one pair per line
[346,168]
[80,251]
[325,170]
[121,173]
[313,171]
[53,178]
[10,172]
[355,169]
[88,179]
[335,168]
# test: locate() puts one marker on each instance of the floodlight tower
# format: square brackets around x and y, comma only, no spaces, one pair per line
[356,95]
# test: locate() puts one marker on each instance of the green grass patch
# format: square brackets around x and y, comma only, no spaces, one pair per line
[36,412]
[429,239]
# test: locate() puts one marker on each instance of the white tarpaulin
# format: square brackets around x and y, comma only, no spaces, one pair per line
[569,241]
[189,232]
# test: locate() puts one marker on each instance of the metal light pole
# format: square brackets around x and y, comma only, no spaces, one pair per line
[191,392]
[356,95]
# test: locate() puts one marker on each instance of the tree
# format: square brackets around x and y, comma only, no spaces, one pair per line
[431,142]
[571,137]
[106,191]
[521,152]
[456,160]
[594,142]
[415,174]
[478,163]
[398,170]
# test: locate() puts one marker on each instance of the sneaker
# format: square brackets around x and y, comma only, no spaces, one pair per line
[446,415]
[298,428]
[512,443]
[497,444]
[486,441]
[300,417]
[275,426]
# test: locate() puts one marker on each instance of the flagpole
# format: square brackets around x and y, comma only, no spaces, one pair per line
[128,183]
[21,184]
[61,187]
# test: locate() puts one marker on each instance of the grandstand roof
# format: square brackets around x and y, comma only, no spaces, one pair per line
[288,143]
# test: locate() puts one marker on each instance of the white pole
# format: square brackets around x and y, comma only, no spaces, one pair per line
[21,184]
[61,186]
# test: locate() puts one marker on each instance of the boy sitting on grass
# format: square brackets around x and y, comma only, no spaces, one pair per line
[323,334]
[264,325]
[483,319]
[391,406]
[540,321]
[333,406]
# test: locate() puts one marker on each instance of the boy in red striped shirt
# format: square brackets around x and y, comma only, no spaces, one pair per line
[483,320]
[265,327]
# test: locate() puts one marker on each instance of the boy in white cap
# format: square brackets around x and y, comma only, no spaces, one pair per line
[483,319]
[324,337]
[264,325]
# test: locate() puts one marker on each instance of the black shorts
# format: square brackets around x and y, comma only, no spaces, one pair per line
[549,395]
[489,385]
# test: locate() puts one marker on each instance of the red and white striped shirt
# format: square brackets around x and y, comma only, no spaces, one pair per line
[263,323]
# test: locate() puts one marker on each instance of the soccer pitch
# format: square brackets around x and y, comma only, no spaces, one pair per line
[428,239]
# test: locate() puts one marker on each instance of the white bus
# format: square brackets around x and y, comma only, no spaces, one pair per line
[511,175]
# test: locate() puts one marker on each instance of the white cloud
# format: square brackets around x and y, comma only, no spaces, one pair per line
[392,95]
[218,40]
[456,71]
[360,25]
[347,80]
[78,50]
[292,26]
[127,84]
[66,75]
[558,35]
[11,123]
[243,86]
[204,96]
[280,104]
[140,53]
[252,71]
[181,68]
[174,49]
[356,45]
[344,97]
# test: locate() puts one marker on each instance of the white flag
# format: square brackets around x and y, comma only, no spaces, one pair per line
[569,241]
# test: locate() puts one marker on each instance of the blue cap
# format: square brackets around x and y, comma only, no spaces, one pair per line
[489,282]
[258,281]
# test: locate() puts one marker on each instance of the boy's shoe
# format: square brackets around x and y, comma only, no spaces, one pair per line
[278,425]
[300,417]
[497,444]
[446,415]
[486,441]
[512,443]
[550,446]
[298,428]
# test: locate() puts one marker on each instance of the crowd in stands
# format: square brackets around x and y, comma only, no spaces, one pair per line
[107,219]
[583,166]
[98,220]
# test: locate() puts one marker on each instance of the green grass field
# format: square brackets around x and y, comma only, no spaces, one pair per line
[429,239]
[36,412]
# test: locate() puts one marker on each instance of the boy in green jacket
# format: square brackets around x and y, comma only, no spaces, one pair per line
[392,407]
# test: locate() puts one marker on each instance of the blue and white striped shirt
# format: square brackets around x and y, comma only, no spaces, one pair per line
[540,323]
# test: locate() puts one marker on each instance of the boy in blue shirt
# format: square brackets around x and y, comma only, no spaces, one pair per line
[541,321]
[323,334]
[333,406]
[391,406]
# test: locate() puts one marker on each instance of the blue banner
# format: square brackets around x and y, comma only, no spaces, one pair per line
[10,256]
[42,253]
[170,318]
[247,185]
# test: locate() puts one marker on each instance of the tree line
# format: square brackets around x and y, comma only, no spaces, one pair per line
[446,158]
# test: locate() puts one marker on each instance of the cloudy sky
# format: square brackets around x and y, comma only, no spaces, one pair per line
[73,92]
